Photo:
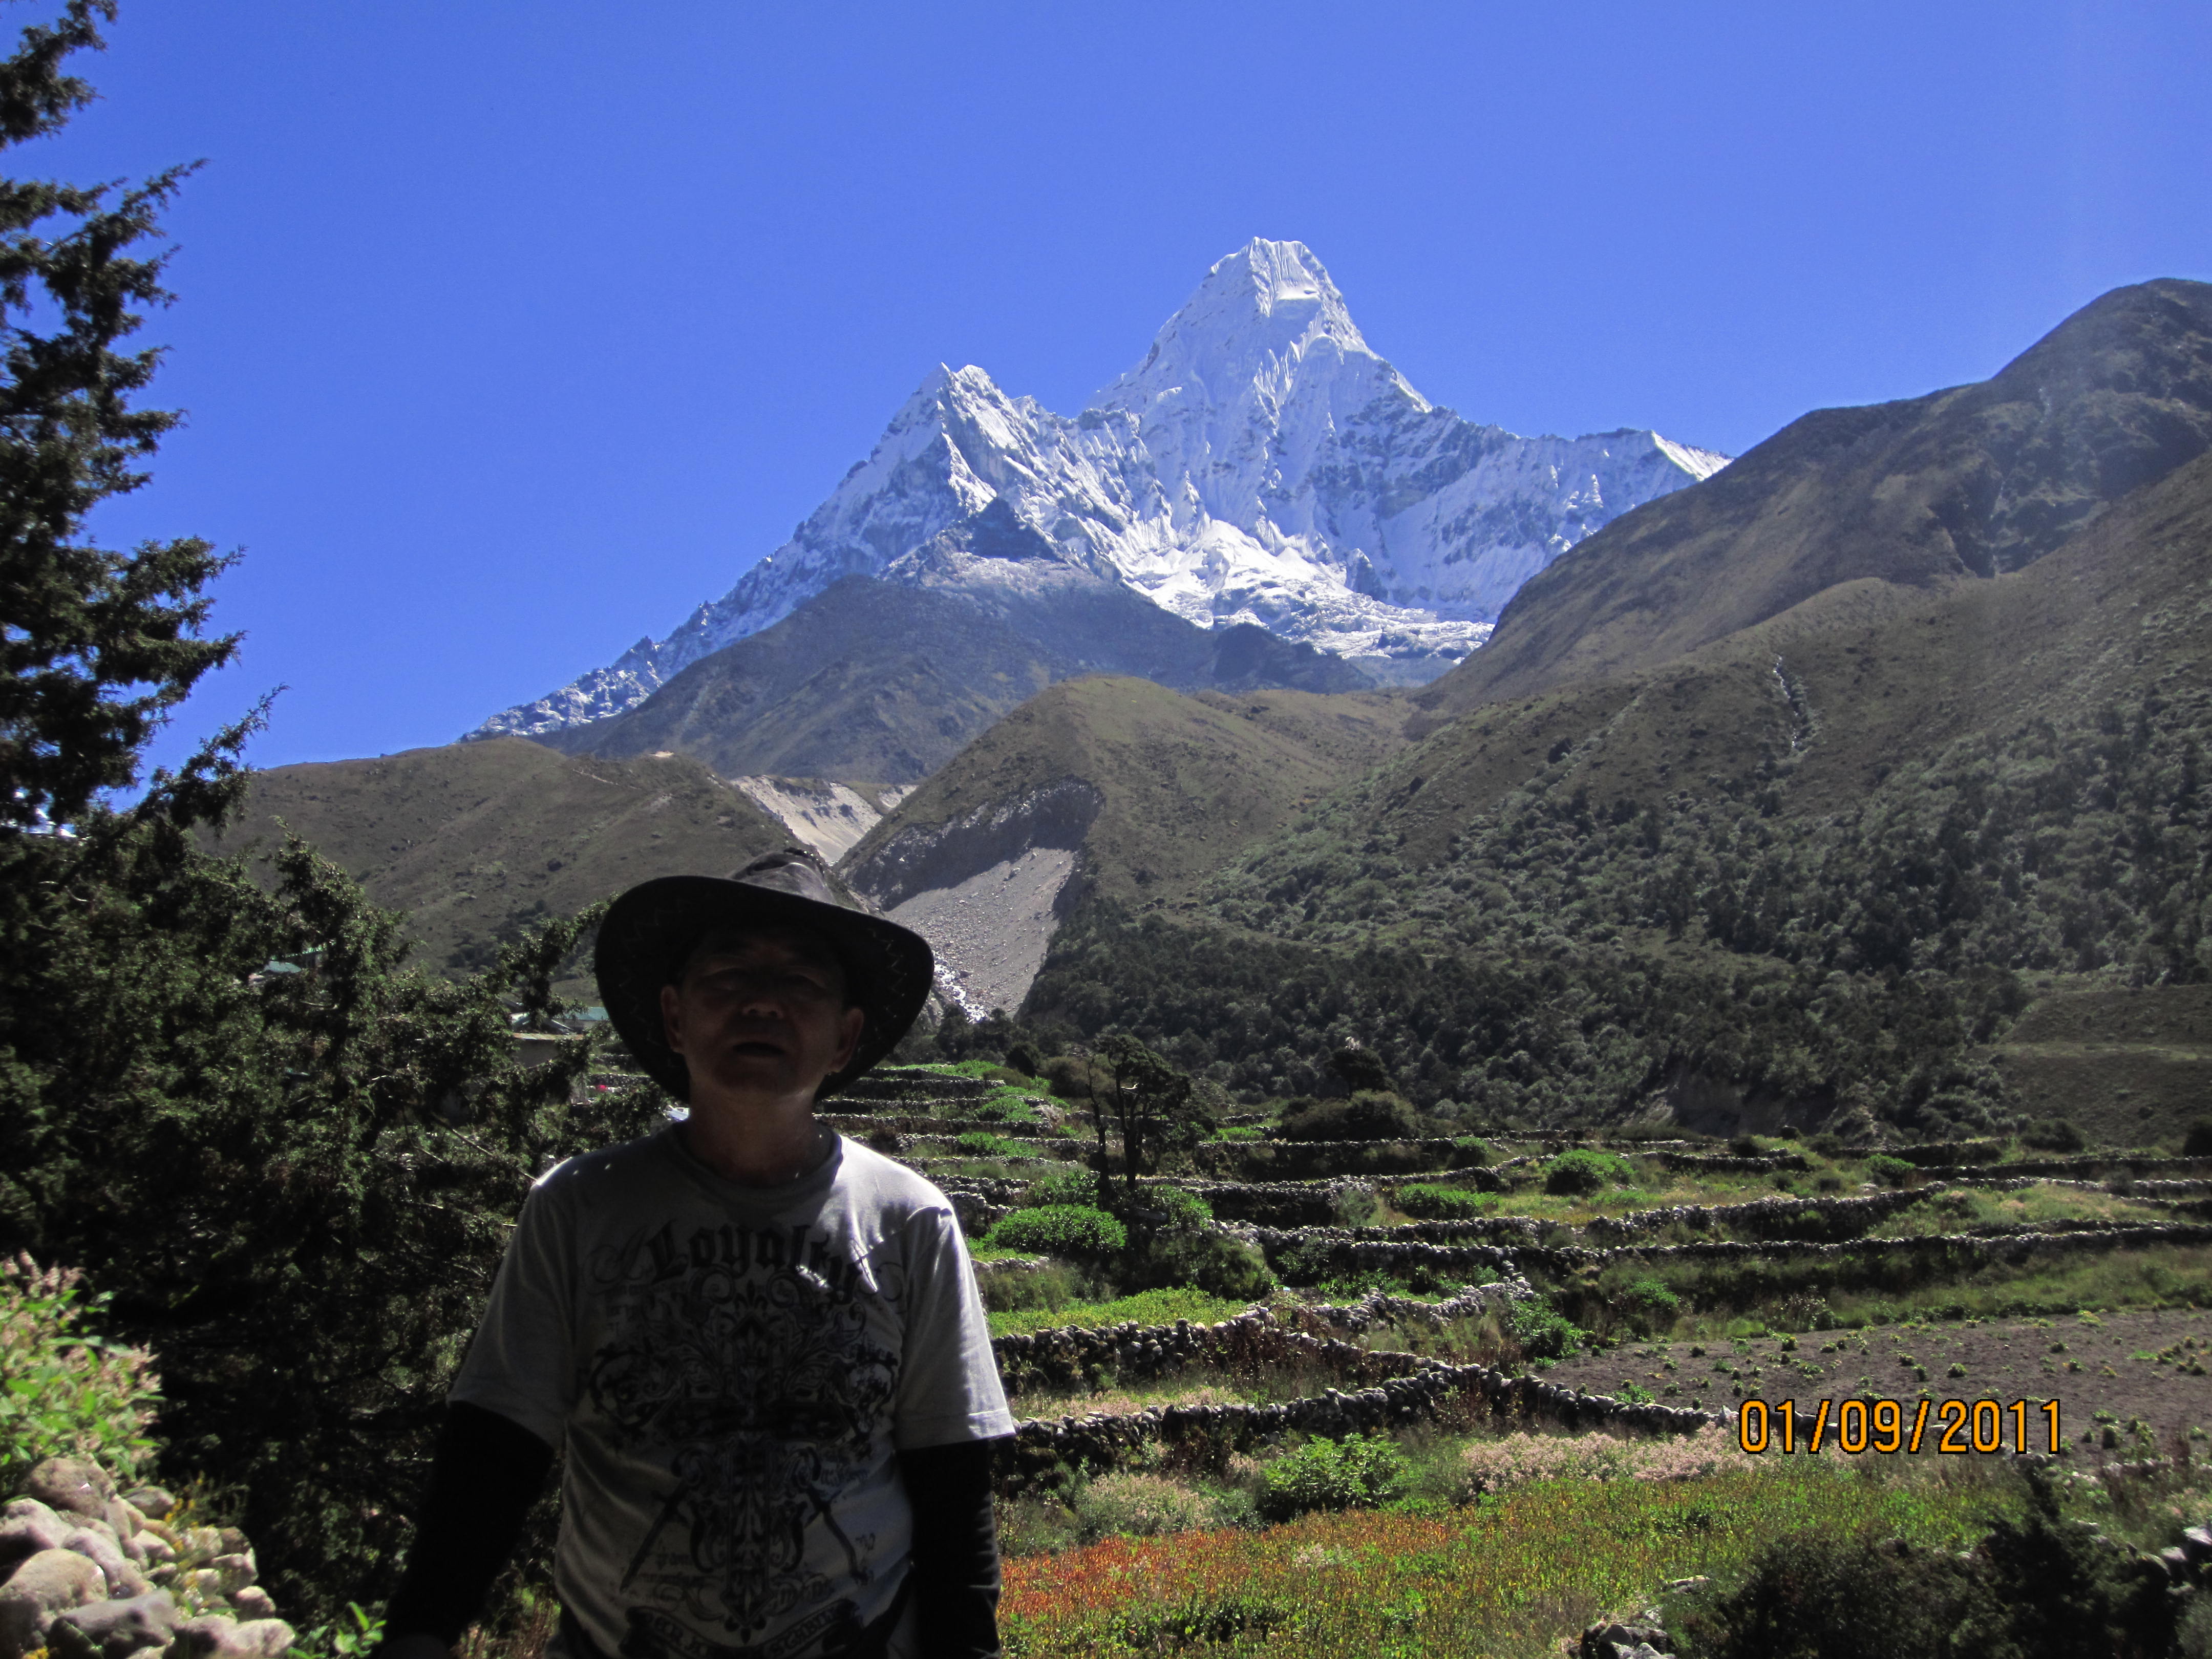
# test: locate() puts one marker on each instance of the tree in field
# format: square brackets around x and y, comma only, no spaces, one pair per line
[295,1187]
[95,647]
[1153,1105]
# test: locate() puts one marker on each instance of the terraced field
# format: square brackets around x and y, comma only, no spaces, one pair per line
[1464,1412]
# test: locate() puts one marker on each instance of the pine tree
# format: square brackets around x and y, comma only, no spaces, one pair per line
[96,646]
[295,1187]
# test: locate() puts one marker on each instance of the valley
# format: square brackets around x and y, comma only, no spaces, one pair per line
[1774,965]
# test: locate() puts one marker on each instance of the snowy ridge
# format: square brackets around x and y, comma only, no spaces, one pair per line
[1262,464]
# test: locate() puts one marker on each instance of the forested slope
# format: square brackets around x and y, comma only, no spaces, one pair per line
[1813,875]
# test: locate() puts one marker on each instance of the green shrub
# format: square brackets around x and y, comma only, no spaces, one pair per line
[1430,1202]
[2054,1134]
[1048,1287]
[64,1390]
[1353,1206]
[1468,1151]
[1746,1147]
[1581,1171]
[2198,1143]
[1370,1114]
[1128,1503]
[1186,1212]
[1357,1472]
[1890,1171]
[1073,1077]
[2030,1588]
[1239,1132]
[980,1143]
[1005,1106]
[1652,1301]
[1214,1262]
[1074,1230]
[1070,1185]
[1542,1331]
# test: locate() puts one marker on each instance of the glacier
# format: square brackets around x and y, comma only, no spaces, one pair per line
[1261,465]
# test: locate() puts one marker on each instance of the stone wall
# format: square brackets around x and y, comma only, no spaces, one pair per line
[1346,1254]
[1427,1387]
[1770,1217]
[1074,1356]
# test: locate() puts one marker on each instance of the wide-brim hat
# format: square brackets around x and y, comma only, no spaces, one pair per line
[652,928]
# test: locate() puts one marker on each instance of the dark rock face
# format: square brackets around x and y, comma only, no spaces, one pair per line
[1972,482]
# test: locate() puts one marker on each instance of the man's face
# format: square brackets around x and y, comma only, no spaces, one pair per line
[760,1016]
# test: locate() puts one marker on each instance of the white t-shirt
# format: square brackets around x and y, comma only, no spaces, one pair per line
[732,1369]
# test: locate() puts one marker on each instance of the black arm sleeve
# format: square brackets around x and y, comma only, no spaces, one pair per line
[488,1472]
[956,1549]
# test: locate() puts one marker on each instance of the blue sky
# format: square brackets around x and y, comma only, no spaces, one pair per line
[510,331]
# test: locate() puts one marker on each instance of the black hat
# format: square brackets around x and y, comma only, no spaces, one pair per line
[655,925]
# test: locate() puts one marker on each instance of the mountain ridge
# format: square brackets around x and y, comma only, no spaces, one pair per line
[1260,466]
[1958,484]
[882,679]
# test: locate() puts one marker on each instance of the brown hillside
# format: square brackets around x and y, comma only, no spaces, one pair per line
[1182,783]
[1848,684]
[475,841]
[1970,482]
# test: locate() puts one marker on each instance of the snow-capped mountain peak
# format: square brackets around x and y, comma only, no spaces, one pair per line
[1258,317]
[1261,464]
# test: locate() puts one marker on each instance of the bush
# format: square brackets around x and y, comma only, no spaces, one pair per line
[980,1143]
[1430,1202]
[1370,1114]
[1357,1472]
[2054,1134]
[1073,1077]
[1651,1301]
[1077,1186]
[2029,1590]
[64,1391]
[2198,1143]
[1353,1206]
[1186,1212]
[1005,1106]
[1074,1230]
[1746,1147]
[1493,1465]
[1468,1151]
[1216,1263]
[1890,1171]
[1023,1057]
[1542,1331]
[1580,1170]
[1130,1504]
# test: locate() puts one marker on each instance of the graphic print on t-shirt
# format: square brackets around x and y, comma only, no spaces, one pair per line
[743,1357]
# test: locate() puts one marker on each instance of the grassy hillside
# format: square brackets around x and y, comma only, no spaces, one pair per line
[1184,782]
[1810,877]
[477,840]
[1960,484]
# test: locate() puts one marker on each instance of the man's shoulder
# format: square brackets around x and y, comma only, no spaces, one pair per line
[605,1170]
[889,1183]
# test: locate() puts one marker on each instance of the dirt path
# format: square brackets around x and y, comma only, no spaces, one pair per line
[2113,1366]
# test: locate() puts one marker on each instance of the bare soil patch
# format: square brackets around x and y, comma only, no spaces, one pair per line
[2151,1364]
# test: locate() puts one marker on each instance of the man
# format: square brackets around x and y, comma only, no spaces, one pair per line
[759,1344]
